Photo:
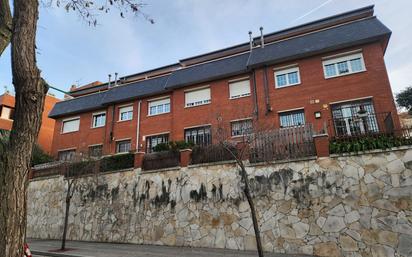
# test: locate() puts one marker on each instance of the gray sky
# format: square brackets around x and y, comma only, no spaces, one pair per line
[71,52]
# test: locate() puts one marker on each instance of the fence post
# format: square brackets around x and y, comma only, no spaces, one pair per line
[321,145]
[185,157]
[138,159]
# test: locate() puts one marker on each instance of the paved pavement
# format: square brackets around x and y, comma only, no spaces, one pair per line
[89,249]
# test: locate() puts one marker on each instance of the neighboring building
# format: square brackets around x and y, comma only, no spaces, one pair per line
[45,138]
[406,119]
[325,72]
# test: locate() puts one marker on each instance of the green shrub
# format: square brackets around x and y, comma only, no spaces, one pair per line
[173,146]
[117,162]
[39,156]
[367,143]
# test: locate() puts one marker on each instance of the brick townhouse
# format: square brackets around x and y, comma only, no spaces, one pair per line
[329,69]
[45,138]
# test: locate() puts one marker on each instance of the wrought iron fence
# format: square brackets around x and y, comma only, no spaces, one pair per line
[282,144]
[213,153]
[361,125]
[161,160]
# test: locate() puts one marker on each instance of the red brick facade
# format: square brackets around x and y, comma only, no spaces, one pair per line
[313,94]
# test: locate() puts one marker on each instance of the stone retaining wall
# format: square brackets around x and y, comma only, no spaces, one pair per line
[342,206]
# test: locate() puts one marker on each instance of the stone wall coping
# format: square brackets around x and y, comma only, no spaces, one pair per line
[320,135]
[142,172]
[185,150]
[46,177]
[211,164]
[376,151]
[310,158]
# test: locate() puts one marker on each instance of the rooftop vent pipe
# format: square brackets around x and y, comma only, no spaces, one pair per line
[250,40]
[262,40]
[110,81]
[115,79]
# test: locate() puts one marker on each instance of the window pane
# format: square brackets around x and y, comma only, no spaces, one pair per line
[240,128]
[198,136]
[123,146]
[126,113]
[281,80]
[239,88]
[96,151]
[167,107]
[290,119]
[356,64]
[152,110]
[293,78]
[330,70]
[343,67]
[197,97]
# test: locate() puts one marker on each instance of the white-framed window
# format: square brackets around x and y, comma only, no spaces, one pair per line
[153,141]
[197,97]
[159,106]
[287,77]
[99,120]
[126,113]
[70,125]
[241,127]
[95,150]
[292,118]
[123,146]
[239,89]
[66,155]
[199,135]
[344,65]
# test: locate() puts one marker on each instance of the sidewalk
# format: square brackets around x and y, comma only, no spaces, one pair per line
[41,248]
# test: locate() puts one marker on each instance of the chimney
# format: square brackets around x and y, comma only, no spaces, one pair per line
[115,79]
[262,40]
[110,81]
[250,40]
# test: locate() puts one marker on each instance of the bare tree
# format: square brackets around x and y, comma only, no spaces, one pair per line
[30,88]
[239,149]
[73,171]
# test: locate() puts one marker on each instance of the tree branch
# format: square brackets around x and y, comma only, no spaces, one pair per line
[5,25]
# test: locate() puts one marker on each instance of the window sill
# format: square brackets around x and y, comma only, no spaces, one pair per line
[71,132]
[98,127]
[197,105]
[286,86]
[234,98]
[346,74]
[124,120]
[157,114]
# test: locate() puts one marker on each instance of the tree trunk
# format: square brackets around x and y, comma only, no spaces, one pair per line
[66,219]
[5,25]
[30,93]
[249,198]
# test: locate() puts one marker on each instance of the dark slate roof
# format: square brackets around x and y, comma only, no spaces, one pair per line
[77,105]
[135,90]
[342,36]
[208,71]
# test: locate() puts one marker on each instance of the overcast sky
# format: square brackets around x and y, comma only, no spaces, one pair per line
[71,52]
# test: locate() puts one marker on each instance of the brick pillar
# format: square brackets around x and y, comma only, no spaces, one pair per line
[138,159]
[31,173]
[242,146]
[185,157]
[321,145]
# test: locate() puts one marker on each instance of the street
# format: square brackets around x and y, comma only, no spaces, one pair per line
[42,248]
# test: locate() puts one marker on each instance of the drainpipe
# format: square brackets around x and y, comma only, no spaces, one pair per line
[255,95]
[112,127]
[138,125]
[266,87]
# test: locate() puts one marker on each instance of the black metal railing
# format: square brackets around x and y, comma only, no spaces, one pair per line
[161,160]
[282,144]
[213,153]
[361,125]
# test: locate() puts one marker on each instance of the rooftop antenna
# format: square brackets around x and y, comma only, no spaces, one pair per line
[110,81]
[6,89]
[115,79]
[262,40]
[250,40]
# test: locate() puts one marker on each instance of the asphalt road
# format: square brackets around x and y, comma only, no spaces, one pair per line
[89,249]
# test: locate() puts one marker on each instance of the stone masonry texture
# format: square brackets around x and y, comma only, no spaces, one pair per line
[358,205]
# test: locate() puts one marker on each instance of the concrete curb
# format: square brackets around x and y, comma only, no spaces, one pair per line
[40,253]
